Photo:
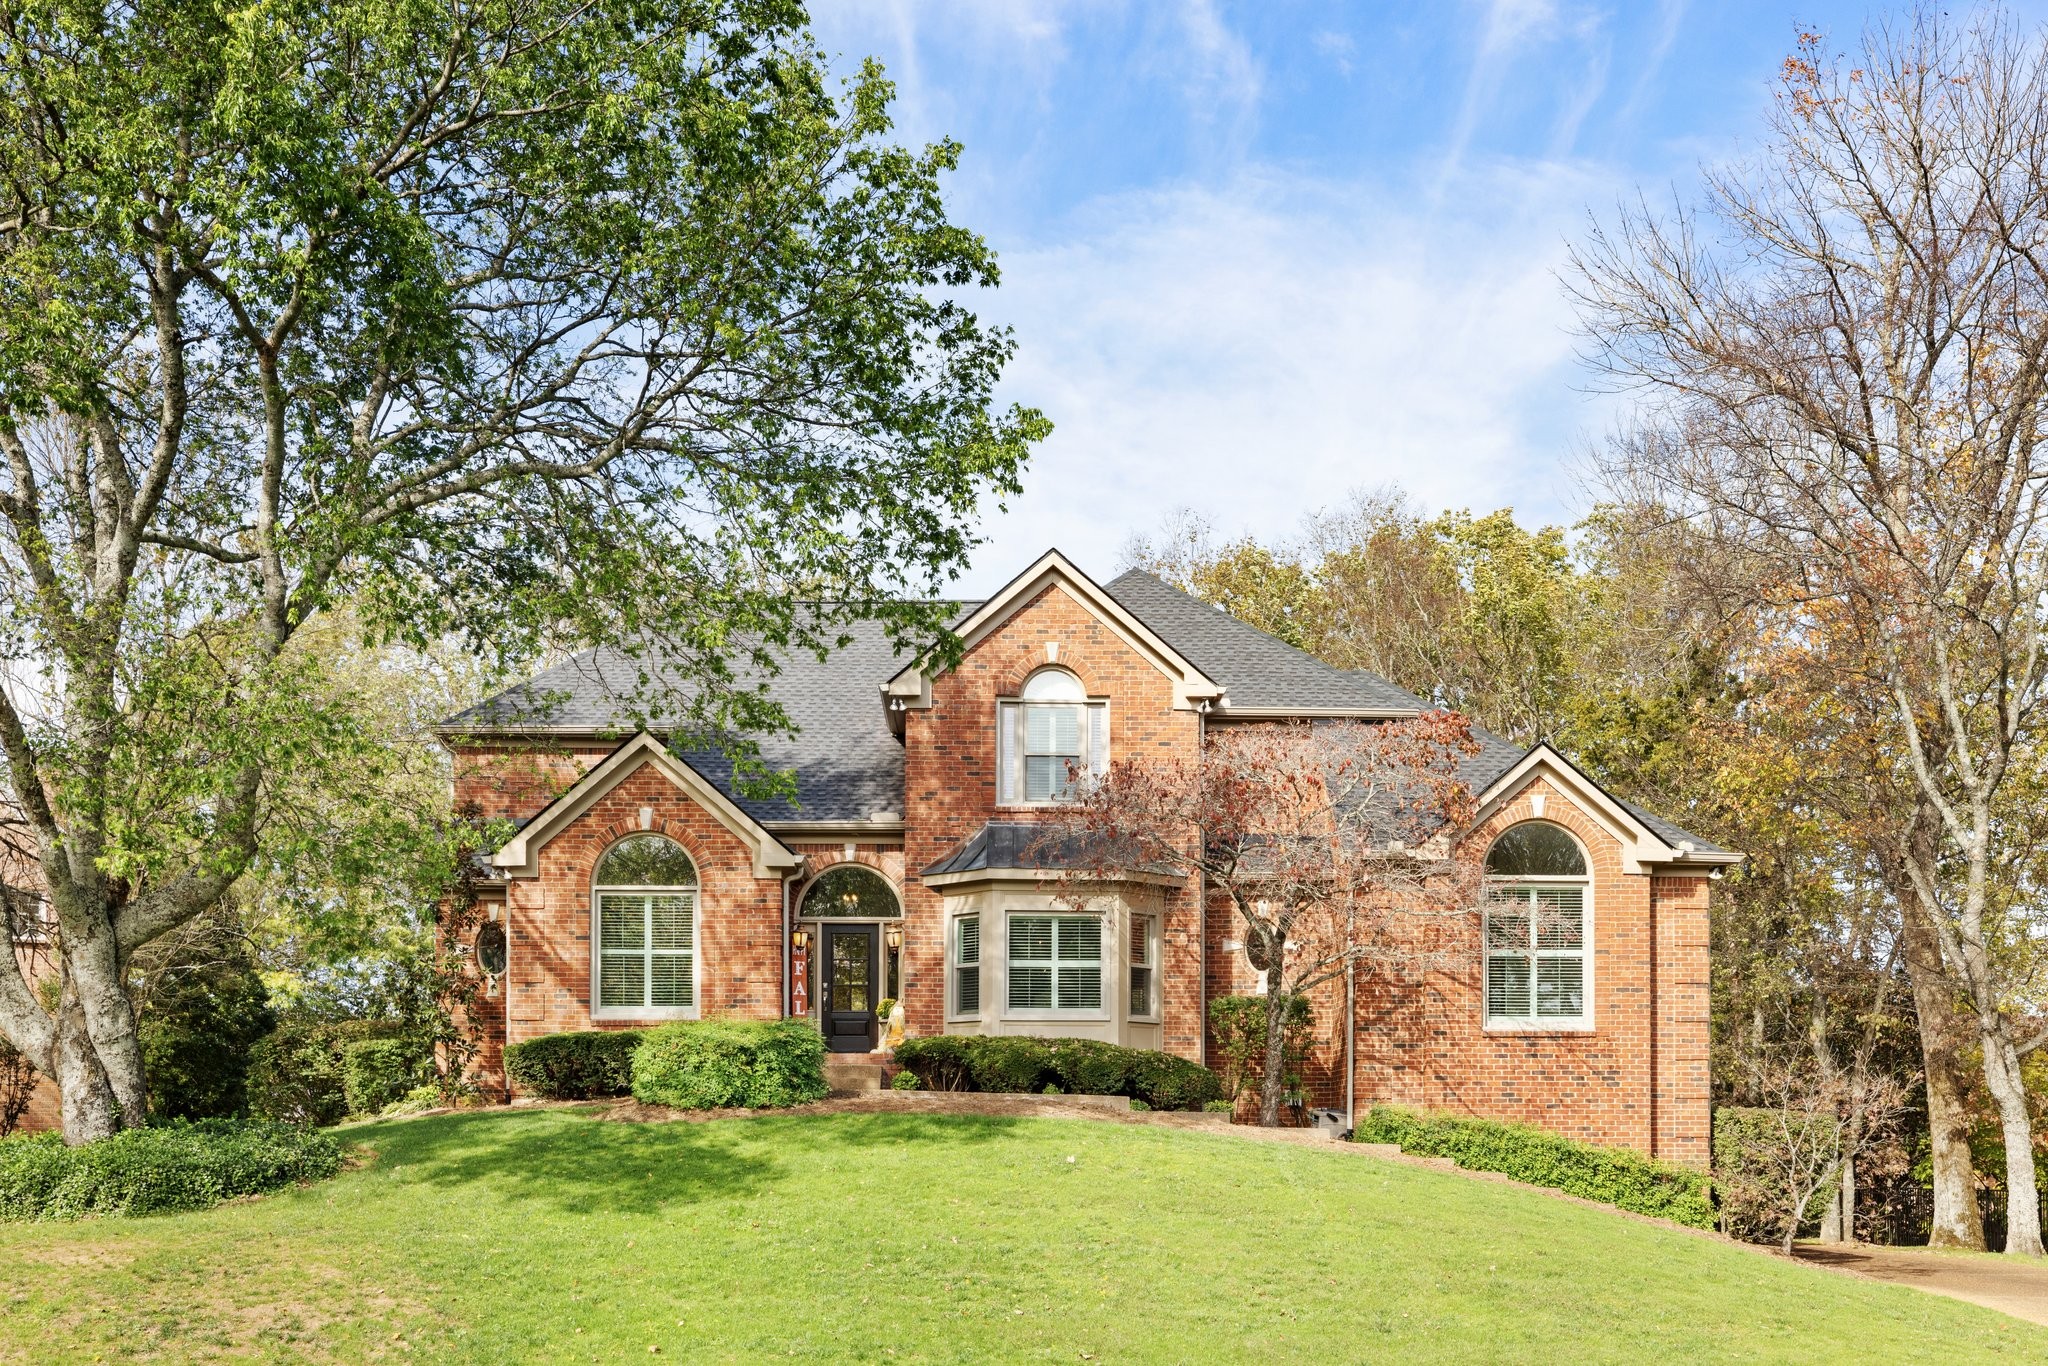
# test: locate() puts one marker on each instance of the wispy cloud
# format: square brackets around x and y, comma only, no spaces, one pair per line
[1340,48]
[1259,349]
[1508,25]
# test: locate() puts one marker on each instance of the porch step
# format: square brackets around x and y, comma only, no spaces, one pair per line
[852,1078]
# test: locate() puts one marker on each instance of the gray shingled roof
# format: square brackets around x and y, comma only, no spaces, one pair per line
[1257,670]
[846,762]
[848,765]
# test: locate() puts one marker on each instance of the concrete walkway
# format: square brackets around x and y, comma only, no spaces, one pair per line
[2012,1285]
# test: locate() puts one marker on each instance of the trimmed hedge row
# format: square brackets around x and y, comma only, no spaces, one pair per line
[590,1064]
[1020,1063]
[713,1064]
[1612,1176]
[178,1166]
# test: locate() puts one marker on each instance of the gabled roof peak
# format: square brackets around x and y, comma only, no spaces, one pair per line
[911,688]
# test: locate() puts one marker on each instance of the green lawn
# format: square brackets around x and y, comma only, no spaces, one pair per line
[553,1236]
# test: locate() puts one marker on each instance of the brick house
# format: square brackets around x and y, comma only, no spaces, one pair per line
[641,886]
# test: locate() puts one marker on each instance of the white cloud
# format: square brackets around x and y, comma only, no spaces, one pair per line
[1259,349]
[1338,47]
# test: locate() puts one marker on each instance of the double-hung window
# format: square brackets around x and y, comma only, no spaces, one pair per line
[646,960]
[1536,918]
[648,951]
[967,966]
[1055,964]
[1144,965]
[1050,736]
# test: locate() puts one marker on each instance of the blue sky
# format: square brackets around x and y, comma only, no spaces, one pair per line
[1260,255]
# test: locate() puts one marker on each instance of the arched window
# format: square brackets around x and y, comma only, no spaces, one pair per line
[1537,913]
[646,899]
[1046,736]
[850,890]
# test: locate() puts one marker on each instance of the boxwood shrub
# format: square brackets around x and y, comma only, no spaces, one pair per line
[1612,1176]
[1089,1068]
[1011,1063]
[178,1166]
[711,1064]
[1021,1063]
[588,1064]
[1166,1082]
[940,1063]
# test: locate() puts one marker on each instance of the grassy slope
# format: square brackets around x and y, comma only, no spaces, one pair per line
[553,1236]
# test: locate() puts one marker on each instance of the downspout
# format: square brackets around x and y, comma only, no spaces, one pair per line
[1350,1027]
[783,951]
[1201,913]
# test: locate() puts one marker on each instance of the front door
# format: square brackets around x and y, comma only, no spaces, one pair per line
[850,954]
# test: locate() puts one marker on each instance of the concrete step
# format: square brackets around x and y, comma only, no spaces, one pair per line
[852,1078]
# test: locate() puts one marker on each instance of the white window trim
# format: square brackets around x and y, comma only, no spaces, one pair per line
[1584,1021]
[1154,946]
[691,1011]
[1104,965]
[1010,741]
[954,966]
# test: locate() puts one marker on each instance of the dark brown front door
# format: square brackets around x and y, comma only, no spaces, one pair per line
[850,954]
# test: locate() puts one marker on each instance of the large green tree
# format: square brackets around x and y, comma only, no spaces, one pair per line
[532,322]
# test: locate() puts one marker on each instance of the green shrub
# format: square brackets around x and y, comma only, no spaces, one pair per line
[197,1029]
[711,1064]
[416,1101]
[377,1072]
[1010,1063]
[940,1063]
[1747,1186]
[179,1166]
[1239,1026]
[1166,1082]
[1024,1064]
[1219,1107]
[903,1081]
[1613,1176]
[589,1064]
[1090,1068]
[295,1073]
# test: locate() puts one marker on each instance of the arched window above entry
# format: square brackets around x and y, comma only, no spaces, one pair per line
[1535,849]
[646,861]
[1538,919]
[850,890]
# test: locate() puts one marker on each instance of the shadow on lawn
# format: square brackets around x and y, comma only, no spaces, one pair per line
[577,1163]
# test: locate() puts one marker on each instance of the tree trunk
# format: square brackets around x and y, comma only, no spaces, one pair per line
[1274,1082]
[89,1108]
[1958,1222]
[1846,1198]
[1831,1222]
[2008,1092]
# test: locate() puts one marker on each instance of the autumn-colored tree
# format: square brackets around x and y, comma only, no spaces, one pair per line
[1844,362]
[1334,844]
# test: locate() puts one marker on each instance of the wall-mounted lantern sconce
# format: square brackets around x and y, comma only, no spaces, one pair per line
[895,937]
[800,940]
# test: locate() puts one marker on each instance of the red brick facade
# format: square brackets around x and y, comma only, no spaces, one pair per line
[1637,1076]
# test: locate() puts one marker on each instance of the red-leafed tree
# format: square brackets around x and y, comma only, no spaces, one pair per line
[1335,842]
